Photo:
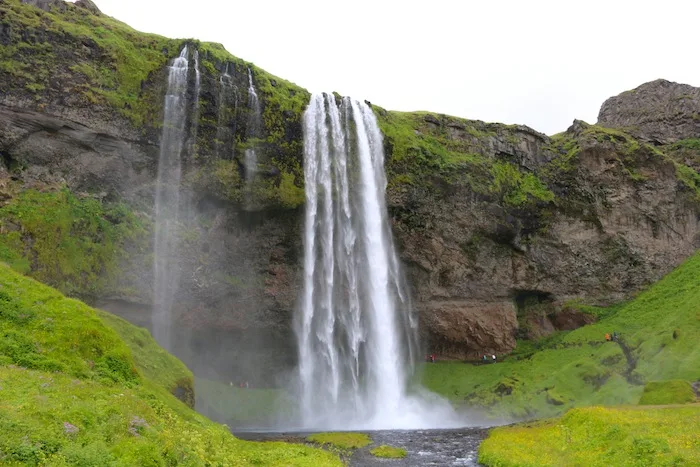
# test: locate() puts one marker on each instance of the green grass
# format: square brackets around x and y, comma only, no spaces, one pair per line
[667,392]
[152,361]
[351,440]
[598,436]
[73,244]
[74,392]
[660,328]
[388,452]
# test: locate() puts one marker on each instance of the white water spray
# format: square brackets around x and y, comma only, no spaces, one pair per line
[167,199]
[357,335]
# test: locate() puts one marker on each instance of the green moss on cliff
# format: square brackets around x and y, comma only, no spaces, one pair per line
[75,393]
[74,244]
[422,147]
[93,56]
[223,180]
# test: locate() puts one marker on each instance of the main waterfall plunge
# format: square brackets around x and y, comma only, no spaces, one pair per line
[167,203]
[356,331]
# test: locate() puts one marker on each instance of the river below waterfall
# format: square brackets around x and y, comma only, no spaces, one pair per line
[453,447]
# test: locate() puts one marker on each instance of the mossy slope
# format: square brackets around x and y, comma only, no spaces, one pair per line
[72,243]
[658,335]
[75,393]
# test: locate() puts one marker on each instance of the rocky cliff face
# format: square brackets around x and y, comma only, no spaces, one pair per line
[658,112]
[504,231]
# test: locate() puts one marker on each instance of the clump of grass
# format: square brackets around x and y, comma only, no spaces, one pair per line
[351,440]
[388,452]
[667,392]
[600,436]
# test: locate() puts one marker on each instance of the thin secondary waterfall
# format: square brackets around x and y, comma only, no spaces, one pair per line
[167,198]
[227,92]
[197,91]
[356,332]
[253,129]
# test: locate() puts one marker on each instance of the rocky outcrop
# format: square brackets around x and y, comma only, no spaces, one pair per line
[54,150]
[46,5]
[89,5]
[660,112]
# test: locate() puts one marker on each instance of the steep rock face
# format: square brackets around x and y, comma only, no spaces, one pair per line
[54,150]
[620,218]
[491,220]
[660,112]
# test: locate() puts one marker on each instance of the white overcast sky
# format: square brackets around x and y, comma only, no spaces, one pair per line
[541,63]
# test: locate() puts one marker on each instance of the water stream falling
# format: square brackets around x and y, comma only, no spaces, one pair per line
[167,199]
[253,130]
[226,113]
[195,119]
[356,332]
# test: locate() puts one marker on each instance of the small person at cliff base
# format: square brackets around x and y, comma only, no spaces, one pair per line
[607,336]
[493,358]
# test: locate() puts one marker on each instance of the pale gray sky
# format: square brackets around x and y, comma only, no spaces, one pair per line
[539,62]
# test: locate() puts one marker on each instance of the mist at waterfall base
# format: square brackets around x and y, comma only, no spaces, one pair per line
[356,330]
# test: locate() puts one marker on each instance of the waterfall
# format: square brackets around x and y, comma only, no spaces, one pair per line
[253,130]
[224,132]
[195,118]
[356,331]
[167,199]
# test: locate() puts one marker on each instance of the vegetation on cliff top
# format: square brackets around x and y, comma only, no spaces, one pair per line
[421,146]
[658,334]
[75,393]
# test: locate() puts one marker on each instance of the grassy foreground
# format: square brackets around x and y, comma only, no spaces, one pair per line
[597,436]
[659,334]
[78,387]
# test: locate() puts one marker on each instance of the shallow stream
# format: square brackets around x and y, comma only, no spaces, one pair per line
[453,447]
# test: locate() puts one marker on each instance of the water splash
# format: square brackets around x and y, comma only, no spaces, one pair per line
[167,199]
[356,330]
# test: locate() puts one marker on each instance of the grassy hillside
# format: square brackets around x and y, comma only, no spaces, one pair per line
[659,333]
[80,387]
